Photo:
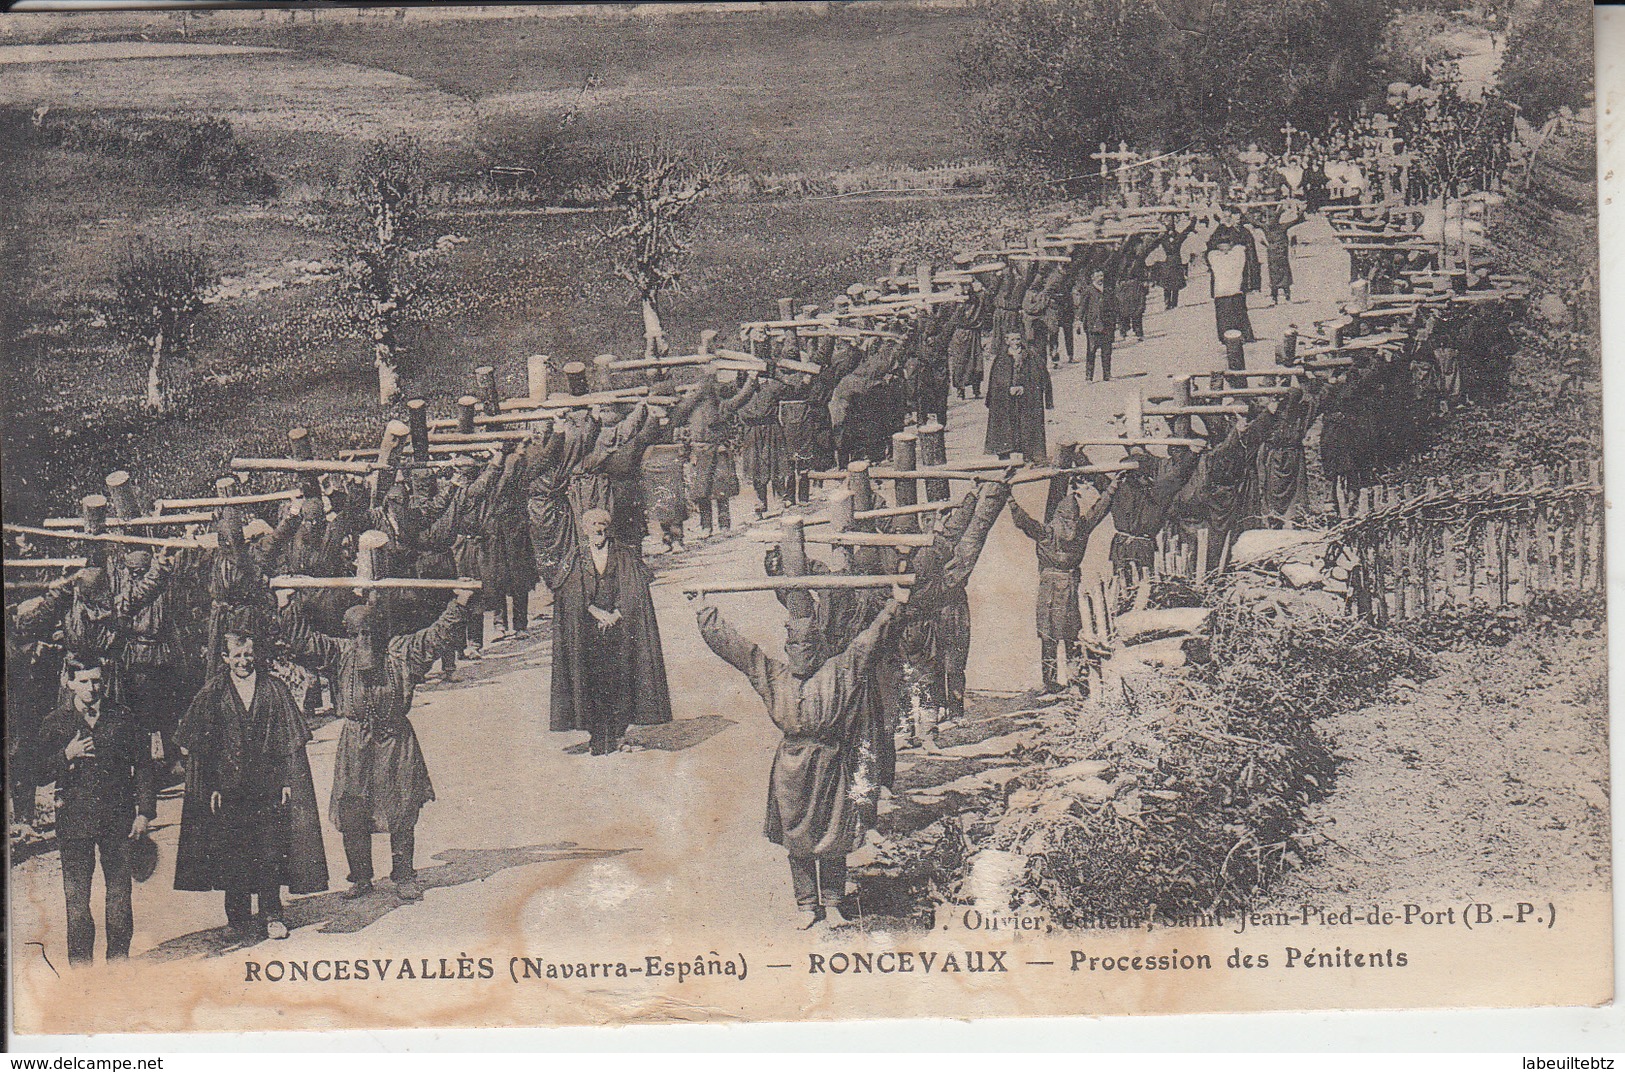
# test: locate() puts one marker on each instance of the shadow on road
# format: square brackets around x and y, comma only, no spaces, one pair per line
[338,916]
[675,736]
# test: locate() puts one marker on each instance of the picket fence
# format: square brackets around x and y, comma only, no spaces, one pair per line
[1492,539]
[1406,550]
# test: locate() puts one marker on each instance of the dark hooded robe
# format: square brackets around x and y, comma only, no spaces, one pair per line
[1142,505]
[1277,232]
[823,789]
[762,453]
[1282,475]
[548,475]
[248,755]
[605,681]
[380,779]
[610,476]
[1231,490]
[1061,543]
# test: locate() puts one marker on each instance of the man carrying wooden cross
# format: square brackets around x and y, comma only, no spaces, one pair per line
[821,797]
[1062,540]
[380,780]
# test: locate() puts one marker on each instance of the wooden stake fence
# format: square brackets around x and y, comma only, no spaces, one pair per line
[1491,539]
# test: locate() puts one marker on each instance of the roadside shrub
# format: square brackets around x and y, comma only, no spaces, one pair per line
[1175,795]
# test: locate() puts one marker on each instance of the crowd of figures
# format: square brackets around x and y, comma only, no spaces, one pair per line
[180,657]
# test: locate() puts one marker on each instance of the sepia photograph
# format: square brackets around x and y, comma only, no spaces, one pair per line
[542,515]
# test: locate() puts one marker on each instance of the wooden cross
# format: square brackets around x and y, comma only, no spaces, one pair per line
[160,521]
[293,581]
[552,406]
[974,469]
[1288,130]
[46,563]
[1122,156]
[813,583]
[1036,475]
[850,539]
[220,502]
[107,537]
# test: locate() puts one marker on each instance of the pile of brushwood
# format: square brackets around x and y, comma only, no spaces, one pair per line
[1182,792]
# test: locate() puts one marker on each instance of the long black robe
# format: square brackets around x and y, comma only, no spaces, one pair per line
[380,778]
[618,675]
[1016,422]
[248,755]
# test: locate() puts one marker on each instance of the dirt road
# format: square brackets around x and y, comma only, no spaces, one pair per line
[533,842]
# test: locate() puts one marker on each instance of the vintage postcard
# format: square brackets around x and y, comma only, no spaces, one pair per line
[535,515]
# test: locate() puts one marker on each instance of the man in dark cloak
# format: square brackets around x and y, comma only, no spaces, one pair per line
[249,823]
[1015,402]
[822,792]
[380,780]
[609,671]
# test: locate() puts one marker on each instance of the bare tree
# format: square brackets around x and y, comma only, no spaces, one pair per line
[654,189]
[386,218]
[158,293]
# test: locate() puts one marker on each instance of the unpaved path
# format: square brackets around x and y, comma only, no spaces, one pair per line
[531,843]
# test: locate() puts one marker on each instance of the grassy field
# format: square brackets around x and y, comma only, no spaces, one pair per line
[519,285]
[774,92]
[814,93]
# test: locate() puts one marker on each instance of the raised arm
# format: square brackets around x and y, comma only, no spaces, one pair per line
[989,505]
[735,650]
[1025,522]
[148,586]
[736,401]
[420,649]
[959,519]
[302,638]
[1173,478]
[861,651]
[1098,509]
